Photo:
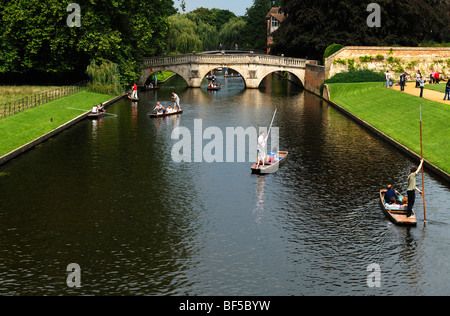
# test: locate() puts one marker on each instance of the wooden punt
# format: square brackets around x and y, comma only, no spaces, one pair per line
[165,114]
[272,167]
[398,217]
[133,99]
[215,88]
[96,115]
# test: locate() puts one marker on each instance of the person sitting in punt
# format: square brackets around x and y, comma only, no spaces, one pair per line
[273,154]
[159,108]
[390,193]
[396,205]
[169,109]
[393,201]
[94,109]
[100,108]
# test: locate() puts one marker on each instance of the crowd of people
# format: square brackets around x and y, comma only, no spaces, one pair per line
[435,78]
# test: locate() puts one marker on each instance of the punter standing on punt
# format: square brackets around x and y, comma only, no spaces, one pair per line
[261,148]
[176,98]
[411,191]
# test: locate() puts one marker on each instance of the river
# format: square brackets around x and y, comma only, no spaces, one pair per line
[108,196]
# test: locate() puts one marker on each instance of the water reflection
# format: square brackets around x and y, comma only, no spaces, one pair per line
[108,196]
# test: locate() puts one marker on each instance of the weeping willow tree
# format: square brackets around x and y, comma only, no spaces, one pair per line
[208,34]
[104,78]
[182,35]
[231,32]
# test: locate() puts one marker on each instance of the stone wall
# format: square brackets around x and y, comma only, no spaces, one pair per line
[395,59]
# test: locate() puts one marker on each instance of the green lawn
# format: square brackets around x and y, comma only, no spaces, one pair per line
[397,115]
[162,75]
[23,127]
[438,87]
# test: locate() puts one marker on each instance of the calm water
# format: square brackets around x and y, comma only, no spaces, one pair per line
[107,196]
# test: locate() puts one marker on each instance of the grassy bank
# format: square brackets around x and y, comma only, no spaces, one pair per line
[437,87]
[25,126]
[397,115]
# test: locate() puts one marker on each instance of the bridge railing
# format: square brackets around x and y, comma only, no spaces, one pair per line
[224,59]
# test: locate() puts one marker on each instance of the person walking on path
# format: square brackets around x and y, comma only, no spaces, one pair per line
[402,82]
[447,91]
[388,78]
[421,84]
[418,75]
[411,191]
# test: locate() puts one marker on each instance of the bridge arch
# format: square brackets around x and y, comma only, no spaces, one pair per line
[253,68]
[146,73]
[294,77]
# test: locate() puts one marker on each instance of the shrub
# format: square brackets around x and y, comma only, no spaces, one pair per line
[330,50]
[104,78]
[340,61]
[365,59]
[357,76]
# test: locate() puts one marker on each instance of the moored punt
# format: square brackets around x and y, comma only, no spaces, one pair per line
[165,114]
[270,167]
[397,216]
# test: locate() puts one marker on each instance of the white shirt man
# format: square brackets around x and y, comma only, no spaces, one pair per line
[176,98]
[261,147]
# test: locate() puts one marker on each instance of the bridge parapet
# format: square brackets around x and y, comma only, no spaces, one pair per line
[231,59]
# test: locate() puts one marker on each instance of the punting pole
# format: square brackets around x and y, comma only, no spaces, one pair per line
[272,121]
[421,156]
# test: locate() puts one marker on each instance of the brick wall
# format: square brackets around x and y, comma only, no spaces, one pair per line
[314,77]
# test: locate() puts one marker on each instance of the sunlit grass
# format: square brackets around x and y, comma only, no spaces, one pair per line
[23,127]
[14,93]
[397,115]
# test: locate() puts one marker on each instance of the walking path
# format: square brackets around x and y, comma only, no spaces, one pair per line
[427,94]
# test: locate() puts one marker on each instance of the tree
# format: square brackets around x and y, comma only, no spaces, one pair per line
[214,17]
[182,36]
[231,32]
[35,36]
[255,33]
[311,25]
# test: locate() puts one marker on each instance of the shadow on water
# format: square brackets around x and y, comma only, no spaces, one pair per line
[108,196]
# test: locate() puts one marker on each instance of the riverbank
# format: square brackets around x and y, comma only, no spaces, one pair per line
[396,115]
[25,127]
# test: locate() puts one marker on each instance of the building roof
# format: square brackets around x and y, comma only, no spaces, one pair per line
[276,13]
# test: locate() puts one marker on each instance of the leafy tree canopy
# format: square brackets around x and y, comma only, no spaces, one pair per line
[312,25]
[35,36]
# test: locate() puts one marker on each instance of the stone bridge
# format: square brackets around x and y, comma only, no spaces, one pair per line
[253,68]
